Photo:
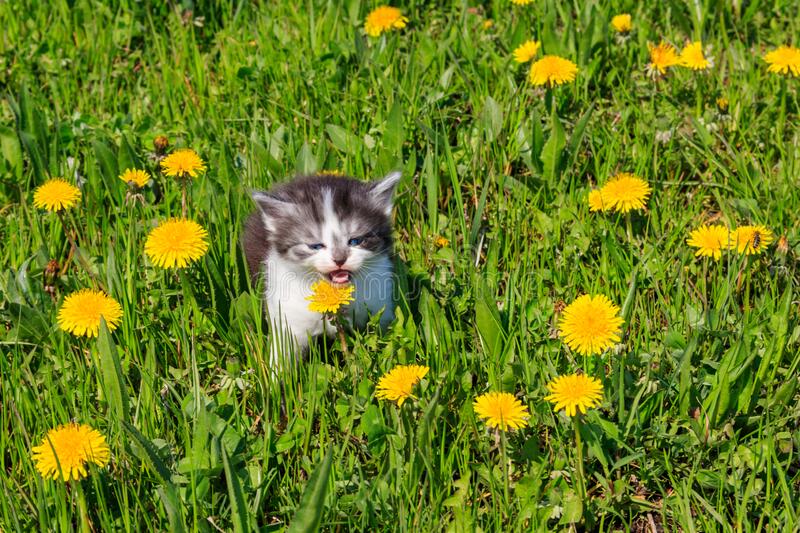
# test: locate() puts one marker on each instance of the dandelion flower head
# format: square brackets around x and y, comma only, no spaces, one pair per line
[396,384]
[183,163]
[383,19]
[138,177]
[67,449]
[710,241]
[573,393]
[328,298]
[784,60]
[597,202]
[590,324]
[625,192]
[693,58]
[55,195]
[501,410]
[553,70]
[662,57]
[176,243]
[81,311]
[751,240]
[526,51]
[621,23]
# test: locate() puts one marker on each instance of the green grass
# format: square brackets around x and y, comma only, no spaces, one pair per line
[698,430]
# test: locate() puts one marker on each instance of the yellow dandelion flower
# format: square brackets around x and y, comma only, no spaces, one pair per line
[597,201]
[176,243]
[590,324]
[710,241]
[750,240]
[553,70]
[501,410]
[693,58]
[784,60]
[662,57]
[526,51]
[441,242]
[722,104]
[383,19]
[328,298]
[138,177]
[396,384]
[183,163]
[573,393]
[488,23]
[66,450]
[522,2]
[81,311]
[626,191]
[55,195]
[622,23]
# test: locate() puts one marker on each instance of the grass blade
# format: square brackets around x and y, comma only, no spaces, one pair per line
[309,513]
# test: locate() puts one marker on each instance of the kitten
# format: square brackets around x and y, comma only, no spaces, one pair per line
[321,227]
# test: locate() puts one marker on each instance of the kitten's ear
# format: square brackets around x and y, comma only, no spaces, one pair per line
[271,208]
[383,190]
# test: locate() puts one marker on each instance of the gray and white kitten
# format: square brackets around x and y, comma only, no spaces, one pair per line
[321,227]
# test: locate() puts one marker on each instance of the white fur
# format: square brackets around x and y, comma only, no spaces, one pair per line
[289,282]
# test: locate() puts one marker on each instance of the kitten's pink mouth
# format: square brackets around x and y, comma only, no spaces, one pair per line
[340,277]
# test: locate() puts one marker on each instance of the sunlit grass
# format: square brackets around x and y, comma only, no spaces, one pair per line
[697,427]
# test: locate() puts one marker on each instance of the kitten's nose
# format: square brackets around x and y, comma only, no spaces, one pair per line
[340,260]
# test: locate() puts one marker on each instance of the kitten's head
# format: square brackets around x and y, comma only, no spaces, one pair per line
[329,224]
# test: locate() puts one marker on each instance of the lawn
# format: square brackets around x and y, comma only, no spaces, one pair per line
[698,424]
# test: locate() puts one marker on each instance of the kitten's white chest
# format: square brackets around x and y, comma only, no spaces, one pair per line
[288,288]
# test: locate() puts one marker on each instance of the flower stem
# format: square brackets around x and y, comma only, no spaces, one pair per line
[183,197]
[86,526]
[628,226]
[706,297]
[580,480]
[698,96]
[505,467]
[342,339]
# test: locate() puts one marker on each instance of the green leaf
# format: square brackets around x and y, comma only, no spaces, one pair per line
[577,134]
[573,509]
[491,119]
[373,427]
[127,156]
[148,454]
[309,513]
[306,163]
[394,133]
[238,505]
[685,373]
[551,152]
[431,188]
[487,320]
[106,161]
[112,380]
[11,149]
[478,216]
[343,140]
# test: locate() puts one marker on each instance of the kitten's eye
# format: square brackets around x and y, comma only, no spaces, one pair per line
[316,246]
[355,241]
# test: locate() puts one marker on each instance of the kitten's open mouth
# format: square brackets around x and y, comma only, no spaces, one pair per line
[340,277]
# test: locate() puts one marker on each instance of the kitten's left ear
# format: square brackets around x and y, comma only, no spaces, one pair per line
[383,190]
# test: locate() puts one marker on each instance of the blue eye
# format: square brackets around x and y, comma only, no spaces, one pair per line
[355,241]
[316,246]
